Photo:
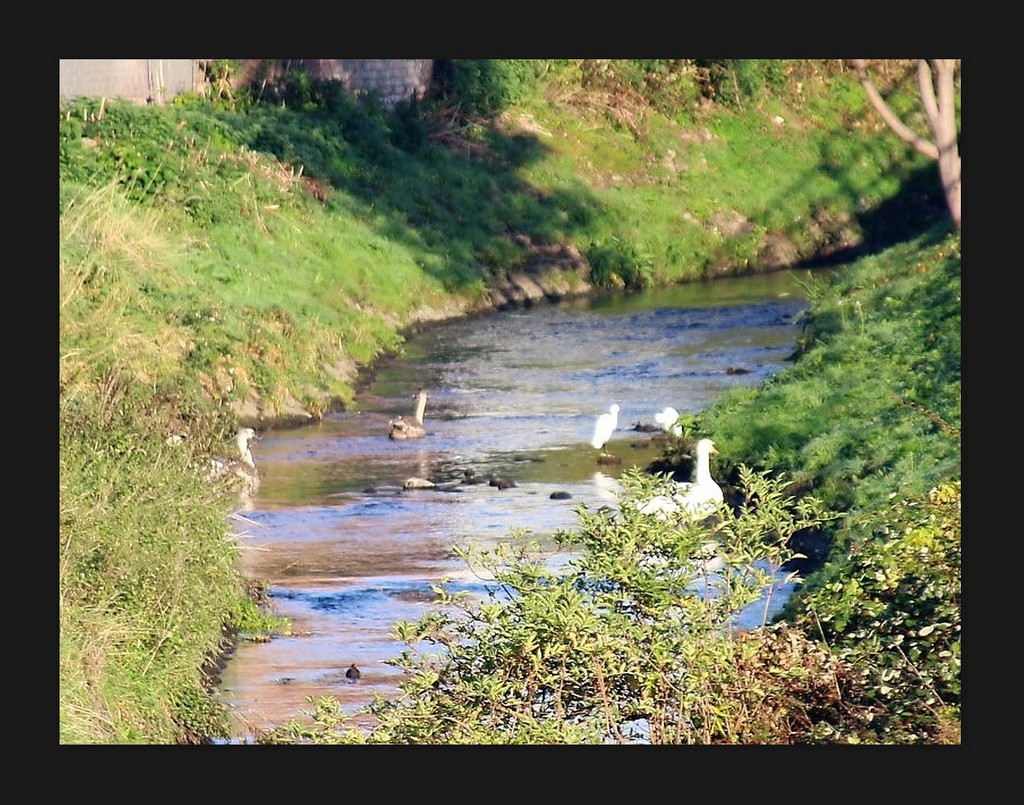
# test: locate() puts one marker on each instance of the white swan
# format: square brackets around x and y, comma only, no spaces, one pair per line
[697,499]
[242,439]
[667,418]
[603,430]
[402,428]
[241,471]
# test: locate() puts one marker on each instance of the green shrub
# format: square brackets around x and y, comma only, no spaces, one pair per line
[634,639]
[733,81]
[889,605]
[481,88]
[620,264]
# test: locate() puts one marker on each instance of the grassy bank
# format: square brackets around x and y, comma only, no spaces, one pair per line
[225,261]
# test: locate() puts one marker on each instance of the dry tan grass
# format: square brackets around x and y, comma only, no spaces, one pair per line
[108,252]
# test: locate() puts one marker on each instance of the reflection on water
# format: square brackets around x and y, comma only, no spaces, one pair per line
[347,552]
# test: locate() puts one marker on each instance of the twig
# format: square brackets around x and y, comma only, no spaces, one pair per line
[824,640]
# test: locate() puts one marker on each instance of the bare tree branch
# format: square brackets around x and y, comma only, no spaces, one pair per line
[924,81]
[905,133]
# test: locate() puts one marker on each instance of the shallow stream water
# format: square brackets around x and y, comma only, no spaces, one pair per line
[346,551]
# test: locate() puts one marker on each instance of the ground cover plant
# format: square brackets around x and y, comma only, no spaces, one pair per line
[871,406]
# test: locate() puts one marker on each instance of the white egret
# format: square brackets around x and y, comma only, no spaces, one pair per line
[667,418]
[604,428]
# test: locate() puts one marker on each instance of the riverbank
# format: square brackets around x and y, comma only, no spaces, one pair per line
[555,275]
[278,275]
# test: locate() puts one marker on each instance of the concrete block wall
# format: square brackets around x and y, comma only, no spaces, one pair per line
[159,80]
[394,79]
[154,81]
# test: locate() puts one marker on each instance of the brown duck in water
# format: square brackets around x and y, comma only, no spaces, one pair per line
[402,428]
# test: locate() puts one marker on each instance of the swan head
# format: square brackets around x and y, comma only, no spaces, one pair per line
[706,446]
[242,438]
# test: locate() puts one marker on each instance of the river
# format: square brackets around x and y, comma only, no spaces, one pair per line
[346,551]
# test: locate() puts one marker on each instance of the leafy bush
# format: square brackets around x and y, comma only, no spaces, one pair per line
[620,264]
[889,605]
[481,88]
[632,638]
[733,81]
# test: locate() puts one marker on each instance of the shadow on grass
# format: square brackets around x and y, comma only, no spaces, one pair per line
[917,209]
[454,197]
[454,200]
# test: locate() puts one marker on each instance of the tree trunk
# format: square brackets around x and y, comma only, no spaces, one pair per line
[935,80]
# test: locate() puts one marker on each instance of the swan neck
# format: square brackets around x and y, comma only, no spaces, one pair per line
[421,406]
[703,473]
[243,448]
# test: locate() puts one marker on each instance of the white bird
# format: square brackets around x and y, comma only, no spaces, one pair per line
[402,428]
[241,471]
[242,439]
[604,428]
[697,499]
[667,418]
[607,487]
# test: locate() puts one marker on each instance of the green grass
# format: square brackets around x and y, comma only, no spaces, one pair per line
[147,574]
[146,579]
[872,408]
